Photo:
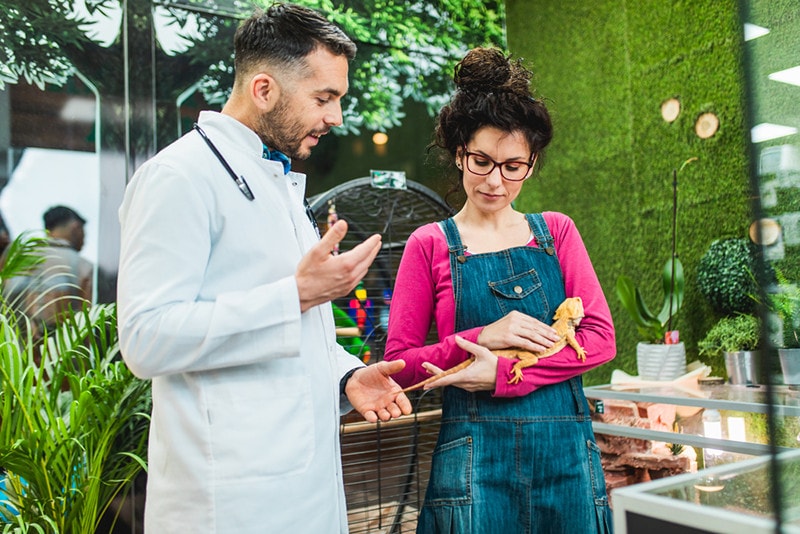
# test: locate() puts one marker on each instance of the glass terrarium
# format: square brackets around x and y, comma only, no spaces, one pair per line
[732,498]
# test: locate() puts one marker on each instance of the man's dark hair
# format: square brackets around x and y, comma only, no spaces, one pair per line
[285,34]
[58,215]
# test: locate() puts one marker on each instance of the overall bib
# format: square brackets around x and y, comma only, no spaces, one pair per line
[513,465]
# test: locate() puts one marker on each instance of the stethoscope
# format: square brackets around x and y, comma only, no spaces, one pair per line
[241,183]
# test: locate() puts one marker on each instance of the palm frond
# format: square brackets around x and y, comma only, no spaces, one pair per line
[74,423]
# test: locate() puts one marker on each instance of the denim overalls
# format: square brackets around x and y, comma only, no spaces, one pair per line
[513,465]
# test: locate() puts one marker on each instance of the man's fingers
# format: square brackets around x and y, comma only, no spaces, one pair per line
[370,416]
[333,236]
[367,249]
[391,367]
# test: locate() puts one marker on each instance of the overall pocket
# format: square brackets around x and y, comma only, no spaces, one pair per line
[451,474]
[602,509]
[522,292]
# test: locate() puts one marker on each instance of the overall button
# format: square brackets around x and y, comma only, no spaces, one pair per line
[518,289]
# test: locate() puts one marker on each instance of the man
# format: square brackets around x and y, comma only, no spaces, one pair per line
[224,300]
[65,232]
[63,280]
[65,226]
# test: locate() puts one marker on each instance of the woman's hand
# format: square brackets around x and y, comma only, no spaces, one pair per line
[518,330]
[481,375]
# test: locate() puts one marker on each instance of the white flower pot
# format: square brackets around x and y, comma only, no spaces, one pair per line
[660,361]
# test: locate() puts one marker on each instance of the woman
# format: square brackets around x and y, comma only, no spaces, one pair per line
[510,457]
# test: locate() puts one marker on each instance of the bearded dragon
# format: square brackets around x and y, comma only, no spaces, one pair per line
[567,317]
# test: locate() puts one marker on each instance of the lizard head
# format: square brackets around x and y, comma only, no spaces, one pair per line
[571,309]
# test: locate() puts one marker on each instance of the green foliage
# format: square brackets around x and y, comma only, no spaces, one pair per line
[741,332]
[610,182]
[407,50]
[652,327]
[352,344]
[415,59]
[785,303]
[22,256]
[725,275]
[675,448]
[22,53]
[74,419]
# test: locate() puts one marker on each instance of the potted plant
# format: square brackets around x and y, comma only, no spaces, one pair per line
[725,275]
[735,339]
[74,419]
[660,355]
[655,358]
[725,278]
[784,303]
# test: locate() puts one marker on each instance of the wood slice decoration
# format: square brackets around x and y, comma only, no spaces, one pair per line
[765,232]
[707,125]
[670,109]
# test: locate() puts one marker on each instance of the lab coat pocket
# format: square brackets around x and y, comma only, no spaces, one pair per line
[261,429]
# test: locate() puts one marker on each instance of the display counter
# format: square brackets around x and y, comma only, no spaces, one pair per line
[725,499]
[734,406]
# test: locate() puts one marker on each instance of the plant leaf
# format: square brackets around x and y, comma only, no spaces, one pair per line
[673,290]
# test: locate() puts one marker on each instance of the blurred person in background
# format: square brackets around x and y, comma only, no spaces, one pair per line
[63,280]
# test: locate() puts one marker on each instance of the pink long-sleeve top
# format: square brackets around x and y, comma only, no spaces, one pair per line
[424,293]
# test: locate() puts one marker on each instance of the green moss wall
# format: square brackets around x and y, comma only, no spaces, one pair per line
[605,67]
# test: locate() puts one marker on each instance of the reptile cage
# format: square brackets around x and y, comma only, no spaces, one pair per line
[386,465]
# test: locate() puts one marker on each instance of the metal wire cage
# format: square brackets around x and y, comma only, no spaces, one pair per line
[394,213]
[386,465]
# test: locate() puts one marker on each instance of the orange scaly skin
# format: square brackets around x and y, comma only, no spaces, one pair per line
[567,317]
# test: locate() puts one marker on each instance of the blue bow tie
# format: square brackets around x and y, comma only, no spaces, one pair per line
[280,157]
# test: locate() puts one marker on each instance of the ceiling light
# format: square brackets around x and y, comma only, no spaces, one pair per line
[766,131]
[78,109]
[791,76]
[751,31]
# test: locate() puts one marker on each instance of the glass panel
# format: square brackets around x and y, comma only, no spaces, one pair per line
[234,8]
[743,488]
[772,37]
[772,72]
[63,121]
[51,160]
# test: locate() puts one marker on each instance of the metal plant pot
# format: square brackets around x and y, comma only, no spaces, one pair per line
[742,368]
[790,365]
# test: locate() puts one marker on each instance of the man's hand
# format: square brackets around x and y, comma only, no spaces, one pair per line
[376,396]
[322,277]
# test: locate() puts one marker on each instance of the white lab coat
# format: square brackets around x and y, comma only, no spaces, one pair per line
[244,432]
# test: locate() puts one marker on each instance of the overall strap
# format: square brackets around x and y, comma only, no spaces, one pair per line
[454,245]
[541,233]
[456,252]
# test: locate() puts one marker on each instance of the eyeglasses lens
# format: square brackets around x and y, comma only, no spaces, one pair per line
[514,171]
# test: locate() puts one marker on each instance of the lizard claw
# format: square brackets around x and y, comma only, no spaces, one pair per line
[517,376]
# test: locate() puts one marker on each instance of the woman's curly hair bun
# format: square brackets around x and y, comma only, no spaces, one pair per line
[486,70]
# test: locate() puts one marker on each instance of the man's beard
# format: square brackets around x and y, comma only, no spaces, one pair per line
[280,132]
